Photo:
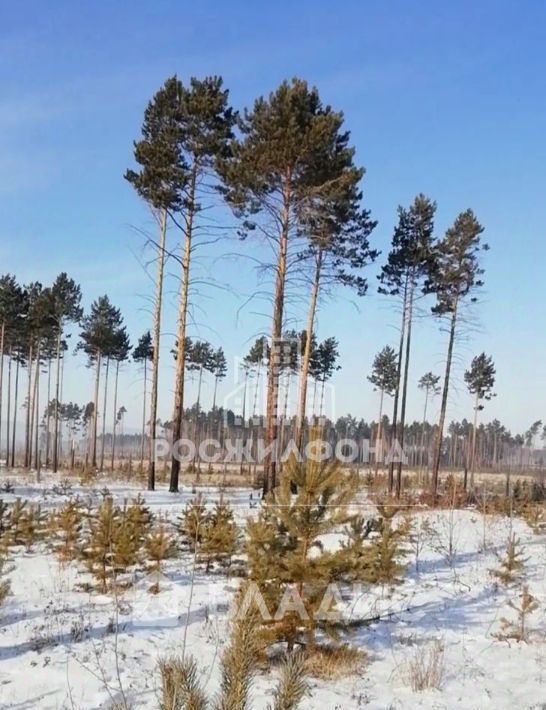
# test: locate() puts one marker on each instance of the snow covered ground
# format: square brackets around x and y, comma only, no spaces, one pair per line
[58,645]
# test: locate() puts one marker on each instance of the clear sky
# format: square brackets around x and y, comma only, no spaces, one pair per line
[444,98]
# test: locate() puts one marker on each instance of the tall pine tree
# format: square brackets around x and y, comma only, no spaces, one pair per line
[407,266]
[160,183]
[454,278]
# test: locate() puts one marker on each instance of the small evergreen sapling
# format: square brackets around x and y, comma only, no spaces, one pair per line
[193,522]
[4,583]
[220,536]
[139,517]
[518,630]
[159,546]
[66,527]
[102,530]
[512,564]
[3,516]
[125,547]
[357,553]
[134,529]
[386,550]
[16,522]
[31,526]
[286,558]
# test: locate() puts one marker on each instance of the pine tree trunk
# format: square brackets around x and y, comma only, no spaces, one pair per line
[56,410]
[34,404]
[321,403]
[443,408]
[115,415]
[284,416]
[214,394]
[304,372]
[27,413]
[405,386]
[95,411]
[243,420]
[398,377]
[276,335]
[197,431]
[144,425]
[181,336]
[155,347]
[8,413]
[16,394]
[48,416]
[378,434]
[104,401]
[2,334]
[63,360]
[422,451]
[256,390]
[37,411]
[473,446]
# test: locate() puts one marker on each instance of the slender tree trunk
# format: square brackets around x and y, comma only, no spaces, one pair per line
[422,452]
[321,403]
[95,411]
[16,394]
[398,377]
[37,412]
[284,416]
[196,429]
[473,446]
[34,404]
[405,386]
[443,407]
[181,336]
[243,420]
[48,415]
[28,412]
[378,435]
[56,408]
[8,413]
[115,415]
[155,346]
[314,400]
[104,401]
[2,336]
[61,397]
[276,335]
[143,437]
[214,394]
[304,372]
[256,390]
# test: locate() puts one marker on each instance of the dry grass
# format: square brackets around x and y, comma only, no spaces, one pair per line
[426,668]
[332,662]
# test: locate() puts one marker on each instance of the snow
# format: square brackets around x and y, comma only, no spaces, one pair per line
[58,644]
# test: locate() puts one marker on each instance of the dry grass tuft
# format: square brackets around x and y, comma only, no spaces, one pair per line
[332,662]
[426,668]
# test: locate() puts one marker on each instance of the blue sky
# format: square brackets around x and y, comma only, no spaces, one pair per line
[443,98]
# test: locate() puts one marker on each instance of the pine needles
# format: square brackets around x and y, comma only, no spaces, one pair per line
[180,687]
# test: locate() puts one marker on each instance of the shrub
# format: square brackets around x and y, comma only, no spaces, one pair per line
[333,662]
[426,668]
